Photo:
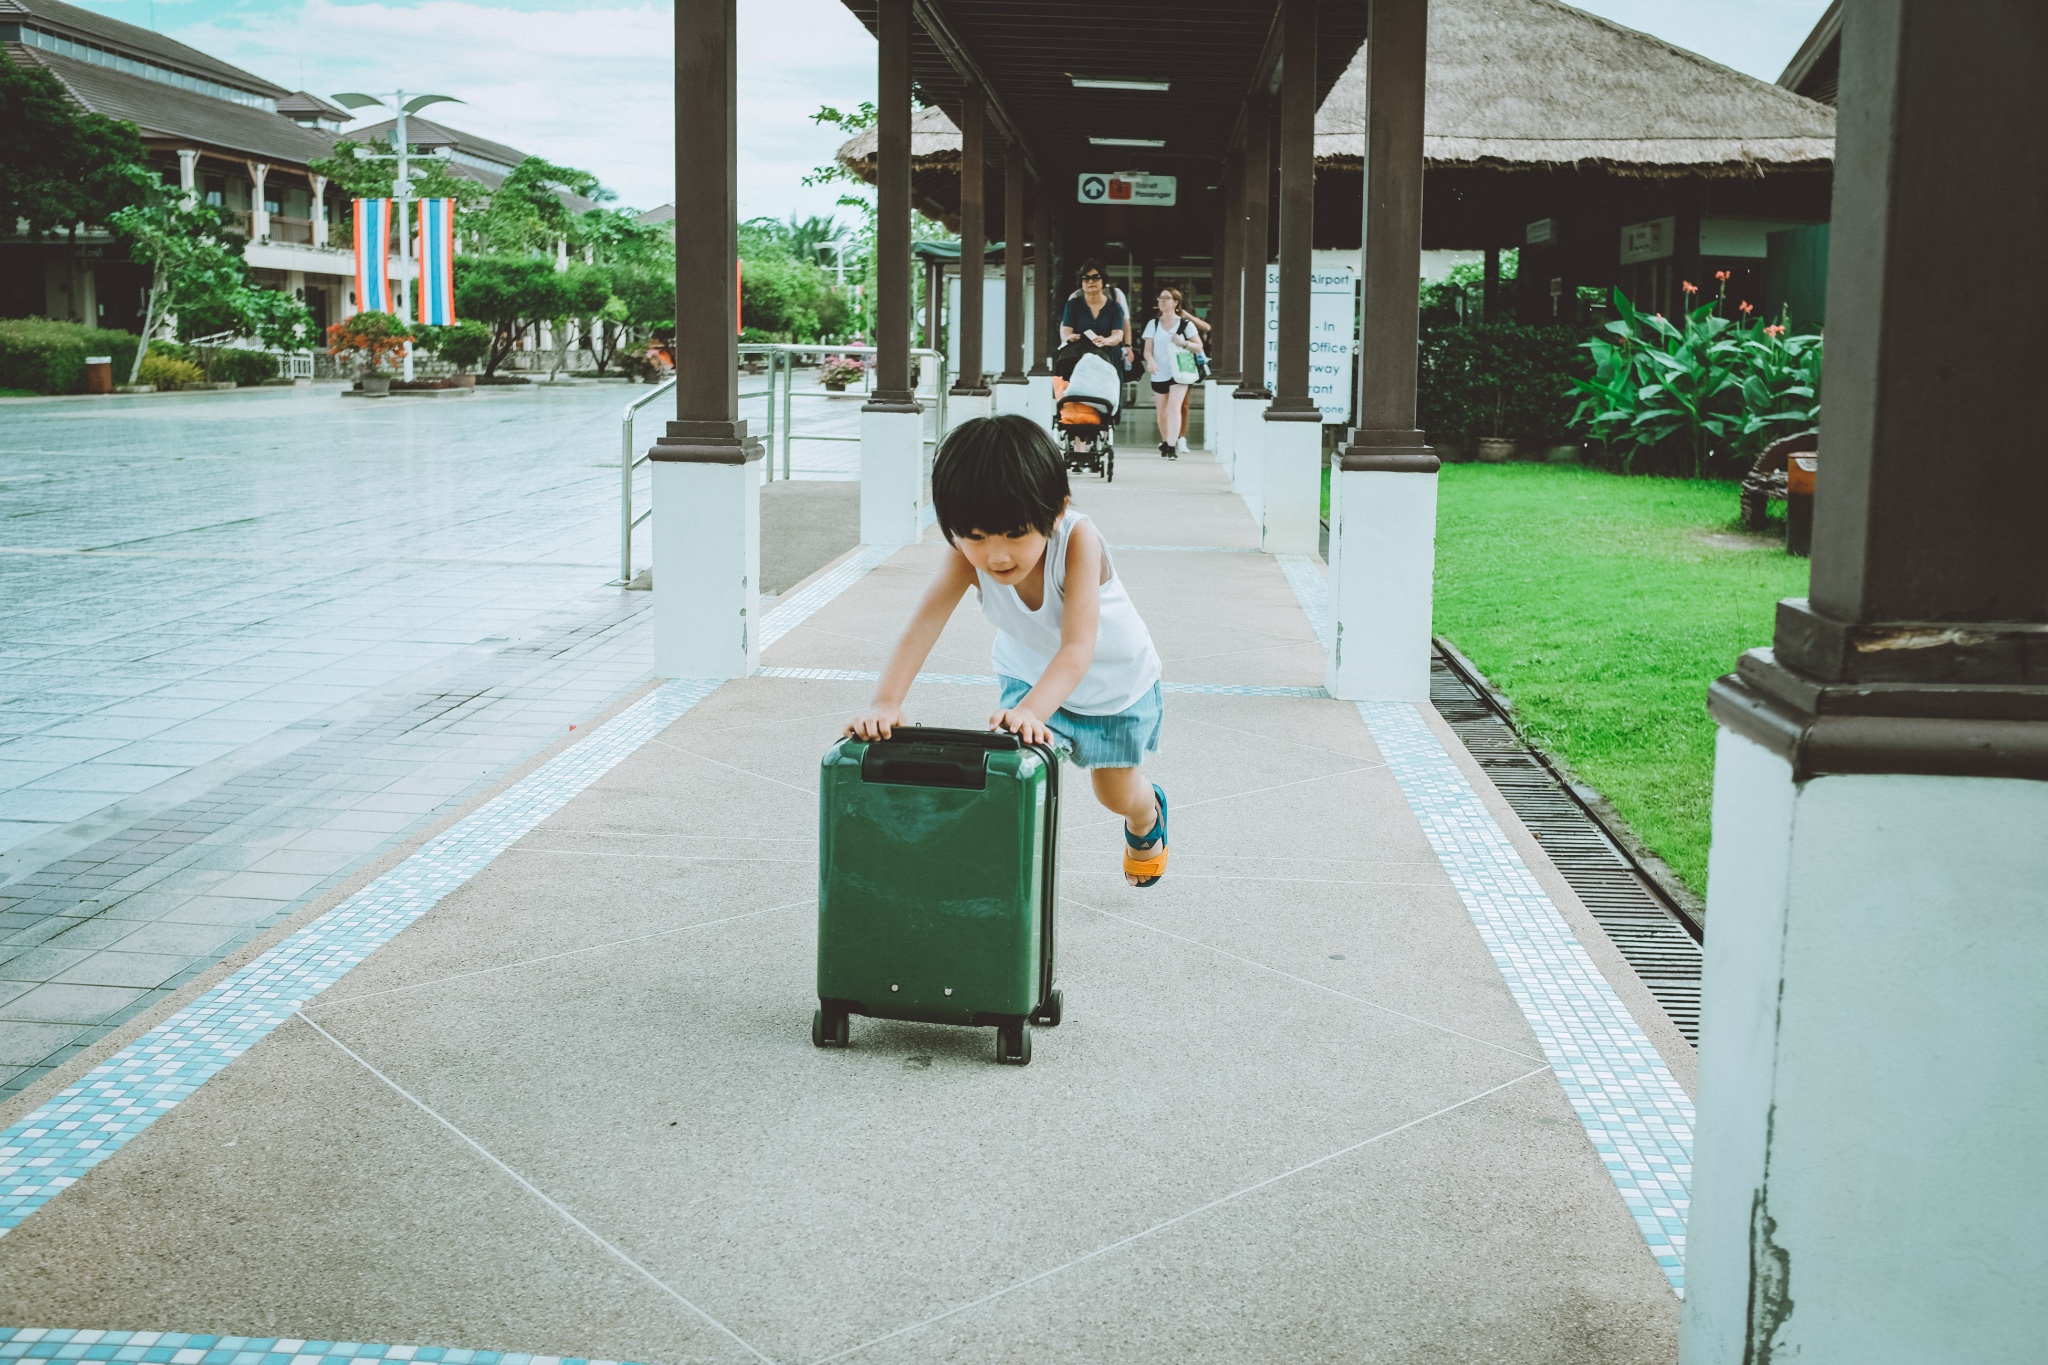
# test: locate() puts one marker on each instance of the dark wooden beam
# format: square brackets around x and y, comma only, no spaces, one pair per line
[1297,205]
[892,220]
[1013,264]
[972,378]
[1225,324]
[707,427]
[1258,177]
[1396,63]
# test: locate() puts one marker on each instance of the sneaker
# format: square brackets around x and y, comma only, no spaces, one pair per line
[1182,448]
[1165,450]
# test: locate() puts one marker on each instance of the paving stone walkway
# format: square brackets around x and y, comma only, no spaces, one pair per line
[1359,1081]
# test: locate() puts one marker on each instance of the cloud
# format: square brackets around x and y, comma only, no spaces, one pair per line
[590,86]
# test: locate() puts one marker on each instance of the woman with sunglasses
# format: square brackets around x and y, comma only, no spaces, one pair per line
[1093,320]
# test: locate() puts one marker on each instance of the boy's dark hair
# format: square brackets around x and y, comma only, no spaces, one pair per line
[1000,476]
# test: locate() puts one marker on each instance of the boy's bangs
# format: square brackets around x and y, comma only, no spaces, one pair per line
[999,476]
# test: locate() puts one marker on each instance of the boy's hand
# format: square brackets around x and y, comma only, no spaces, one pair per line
[876,723]
[1022,723]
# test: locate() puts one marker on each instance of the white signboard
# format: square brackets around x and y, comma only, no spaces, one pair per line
[1651,241]
[1332,326]
[1128,187]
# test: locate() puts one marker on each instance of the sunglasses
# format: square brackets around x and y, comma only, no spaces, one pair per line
[1086,278]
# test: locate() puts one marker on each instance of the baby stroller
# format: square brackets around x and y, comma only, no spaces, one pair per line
[1085,415]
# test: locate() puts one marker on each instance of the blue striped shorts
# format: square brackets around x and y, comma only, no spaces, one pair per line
[1118,741]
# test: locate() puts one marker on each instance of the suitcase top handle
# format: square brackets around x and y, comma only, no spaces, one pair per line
[927,756]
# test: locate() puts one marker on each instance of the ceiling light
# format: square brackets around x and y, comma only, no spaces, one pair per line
[1126,142]
[1100,83]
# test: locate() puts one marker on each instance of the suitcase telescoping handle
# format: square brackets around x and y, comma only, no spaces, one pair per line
[927,756]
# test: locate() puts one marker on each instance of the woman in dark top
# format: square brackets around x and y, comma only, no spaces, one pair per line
[1094,320]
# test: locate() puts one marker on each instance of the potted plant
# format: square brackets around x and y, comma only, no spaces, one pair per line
[840,370]
[375,344]
[463,345]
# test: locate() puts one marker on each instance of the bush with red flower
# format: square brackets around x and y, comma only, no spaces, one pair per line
[374,343]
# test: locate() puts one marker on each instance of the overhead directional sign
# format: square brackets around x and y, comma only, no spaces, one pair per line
[1126,187]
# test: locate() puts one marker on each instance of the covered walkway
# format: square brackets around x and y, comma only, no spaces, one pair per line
[1359,1081]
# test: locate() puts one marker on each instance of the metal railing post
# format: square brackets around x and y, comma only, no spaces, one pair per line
[626,496]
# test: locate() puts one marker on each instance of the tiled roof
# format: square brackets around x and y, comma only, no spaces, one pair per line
[426,133]
[83,24]
[304,102]
[169,113]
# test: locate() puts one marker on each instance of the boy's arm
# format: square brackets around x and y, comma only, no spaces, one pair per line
[1078,623]
[934,609]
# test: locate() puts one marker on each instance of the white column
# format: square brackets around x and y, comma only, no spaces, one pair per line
[1382,565]
[961,407]
[707,555]
[259,217]
[1216,420]
[1010,397]
[1873,1070]
[892,476]
[319,209]
[1248,444]
[188,175]
[1040,401]
[1291,500]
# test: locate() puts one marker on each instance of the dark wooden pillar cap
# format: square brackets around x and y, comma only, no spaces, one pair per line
[706,443]
[1387,452]
[900,401]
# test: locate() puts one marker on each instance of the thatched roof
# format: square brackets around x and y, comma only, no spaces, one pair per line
[1525,84]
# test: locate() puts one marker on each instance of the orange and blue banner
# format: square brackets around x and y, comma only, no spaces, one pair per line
[437,262]
[373,254]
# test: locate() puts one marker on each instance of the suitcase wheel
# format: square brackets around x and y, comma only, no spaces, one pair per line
[1013,1043]
[1049,1013]
[829,1030]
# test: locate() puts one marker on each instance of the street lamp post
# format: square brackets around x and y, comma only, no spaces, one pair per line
[401,184]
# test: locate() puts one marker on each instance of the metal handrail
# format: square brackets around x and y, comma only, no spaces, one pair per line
[781,363]
[628,462]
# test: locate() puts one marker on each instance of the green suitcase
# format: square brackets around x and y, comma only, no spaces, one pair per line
[937,867]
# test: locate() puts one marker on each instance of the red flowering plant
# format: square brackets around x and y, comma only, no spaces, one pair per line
[1711,388]
[373,342]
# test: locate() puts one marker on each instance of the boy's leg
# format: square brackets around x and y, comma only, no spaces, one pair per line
[1125,791]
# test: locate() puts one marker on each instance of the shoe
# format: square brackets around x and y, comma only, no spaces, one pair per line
[1165,450]
[1145,858]
[1182,448]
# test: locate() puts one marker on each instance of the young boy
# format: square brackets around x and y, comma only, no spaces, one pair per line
[1076,662]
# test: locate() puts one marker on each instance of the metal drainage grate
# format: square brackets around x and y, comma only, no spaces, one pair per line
[1650,932]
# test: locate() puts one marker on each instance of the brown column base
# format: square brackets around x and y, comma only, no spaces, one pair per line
[1231,377]
[970,390]
[1007,377]
[899,400]
[1387,452]
[1295,410]
[1247,389]
[1937,652]
[1932,729]
[706,443]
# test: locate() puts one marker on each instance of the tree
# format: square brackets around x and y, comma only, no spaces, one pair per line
[61,165]
[358,177]
[509,294]
[195,263]
[527,212]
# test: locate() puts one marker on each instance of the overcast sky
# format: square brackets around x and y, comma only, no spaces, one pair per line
[587,84]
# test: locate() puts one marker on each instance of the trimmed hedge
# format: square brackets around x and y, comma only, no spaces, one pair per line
[1500,379]
[46,356]
[226,366]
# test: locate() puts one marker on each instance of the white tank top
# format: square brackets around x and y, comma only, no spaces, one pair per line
[1125,664]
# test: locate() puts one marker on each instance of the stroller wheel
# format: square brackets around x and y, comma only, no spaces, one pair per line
[1109,466]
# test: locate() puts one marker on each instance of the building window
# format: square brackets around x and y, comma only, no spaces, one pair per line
[120,61]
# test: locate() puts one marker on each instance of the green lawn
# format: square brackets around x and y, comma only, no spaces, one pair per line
[1602,607]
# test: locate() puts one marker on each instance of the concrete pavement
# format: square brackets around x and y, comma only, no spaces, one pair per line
[1296,1111]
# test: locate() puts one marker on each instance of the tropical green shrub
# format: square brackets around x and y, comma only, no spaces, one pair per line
[226,366]
[463,345]
[1498,379]
[1710,392]
[42,355]
[169,372]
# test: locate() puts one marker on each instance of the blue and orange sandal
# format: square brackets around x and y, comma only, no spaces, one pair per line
[1145,855]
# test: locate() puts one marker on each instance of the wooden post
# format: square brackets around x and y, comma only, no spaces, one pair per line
[972,379]
[1013,264]
[891,425]
[1258,176]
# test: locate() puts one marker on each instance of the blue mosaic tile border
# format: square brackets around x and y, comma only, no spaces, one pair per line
[808,601]
[36,1345]
[1305,575]
[1640,1120]
[109,1106]
[990,680]
[114,1102]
